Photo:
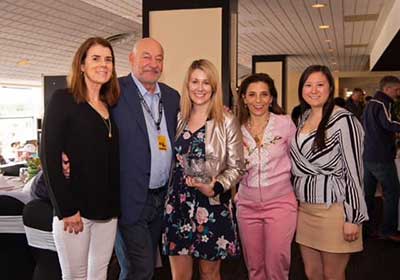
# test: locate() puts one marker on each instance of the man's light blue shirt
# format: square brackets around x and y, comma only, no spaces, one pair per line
[160,160]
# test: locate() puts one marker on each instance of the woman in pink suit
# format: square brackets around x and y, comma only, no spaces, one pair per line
[266,204]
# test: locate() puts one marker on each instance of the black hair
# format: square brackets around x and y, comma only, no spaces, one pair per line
[327,109]
[339,101]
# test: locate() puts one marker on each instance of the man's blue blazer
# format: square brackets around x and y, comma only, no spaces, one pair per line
[135,157]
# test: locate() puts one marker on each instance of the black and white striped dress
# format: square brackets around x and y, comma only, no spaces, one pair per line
[335,173]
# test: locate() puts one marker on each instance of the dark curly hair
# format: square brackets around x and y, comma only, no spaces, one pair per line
[243,112]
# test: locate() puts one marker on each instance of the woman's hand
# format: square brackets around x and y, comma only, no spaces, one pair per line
[351,232]
[236,198]
[73,223]
[206,189]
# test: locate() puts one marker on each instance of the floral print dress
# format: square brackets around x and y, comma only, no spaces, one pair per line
[191,225]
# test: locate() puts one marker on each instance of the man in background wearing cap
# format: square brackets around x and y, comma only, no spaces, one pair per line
[26,152]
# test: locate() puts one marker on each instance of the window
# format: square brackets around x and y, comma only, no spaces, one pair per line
[20,107]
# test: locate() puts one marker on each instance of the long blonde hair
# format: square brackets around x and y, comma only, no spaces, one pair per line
[216,108]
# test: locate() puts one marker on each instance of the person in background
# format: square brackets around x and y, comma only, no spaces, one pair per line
[15,146]
[27,152]
[86,203]
[198,221]
[39,189]
[2,159]
[355,102]
[327,172]
[379,157]
[266,204]
[339,101]
[146,118]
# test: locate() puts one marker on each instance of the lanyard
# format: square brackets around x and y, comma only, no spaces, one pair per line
[148,110]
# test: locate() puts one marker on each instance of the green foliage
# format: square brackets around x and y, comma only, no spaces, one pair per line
[33,167]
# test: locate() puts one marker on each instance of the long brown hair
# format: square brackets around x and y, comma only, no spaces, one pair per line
[243,111]
[216,108]
[319,142]
[109,92]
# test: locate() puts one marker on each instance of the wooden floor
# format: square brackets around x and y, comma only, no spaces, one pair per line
[380,260]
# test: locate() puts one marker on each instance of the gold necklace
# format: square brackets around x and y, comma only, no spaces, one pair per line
[257,136]
[107,122]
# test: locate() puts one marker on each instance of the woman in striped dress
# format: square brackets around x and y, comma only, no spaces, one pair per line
[327,167]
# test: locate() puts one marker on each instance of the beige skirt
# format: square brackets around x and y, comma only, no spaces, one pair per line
[321,228]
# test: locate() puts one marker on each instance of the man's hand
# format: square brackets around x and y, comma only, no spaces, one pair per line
[65,165]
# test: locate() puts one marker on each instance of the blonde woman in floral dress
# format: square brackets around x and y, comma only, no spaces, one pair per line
[266,204]
[198,222]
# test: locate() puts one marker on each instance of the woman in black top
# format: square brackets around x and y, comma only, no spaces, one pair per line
[78,123]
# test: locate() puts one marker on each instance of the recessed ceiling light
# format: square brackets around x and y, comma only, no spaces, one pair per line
[334,63]
[328,41]
[323,26]
[23,62]
[318,5]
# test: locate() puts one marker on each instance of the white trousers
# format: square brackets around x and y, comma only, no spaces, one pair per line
[85,255]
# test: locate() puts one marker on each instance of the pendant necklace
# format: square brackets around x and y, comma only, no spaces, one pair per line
[257,136]
[107,122]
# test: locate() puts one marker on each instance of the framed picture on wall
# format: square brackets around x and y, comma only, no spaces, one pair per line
[275,67]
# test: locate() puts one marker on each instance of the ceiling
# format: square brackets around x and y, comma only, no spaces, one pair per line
[42,35]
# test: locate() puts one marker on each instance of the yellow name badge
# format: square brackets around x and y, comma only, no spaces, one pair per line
[162,142]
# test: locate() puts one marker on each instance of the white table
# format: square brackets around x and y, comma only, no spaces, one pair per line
[13,187]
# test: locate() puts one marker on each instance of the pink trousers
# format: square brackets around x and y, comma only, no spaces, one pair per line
[266,231]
